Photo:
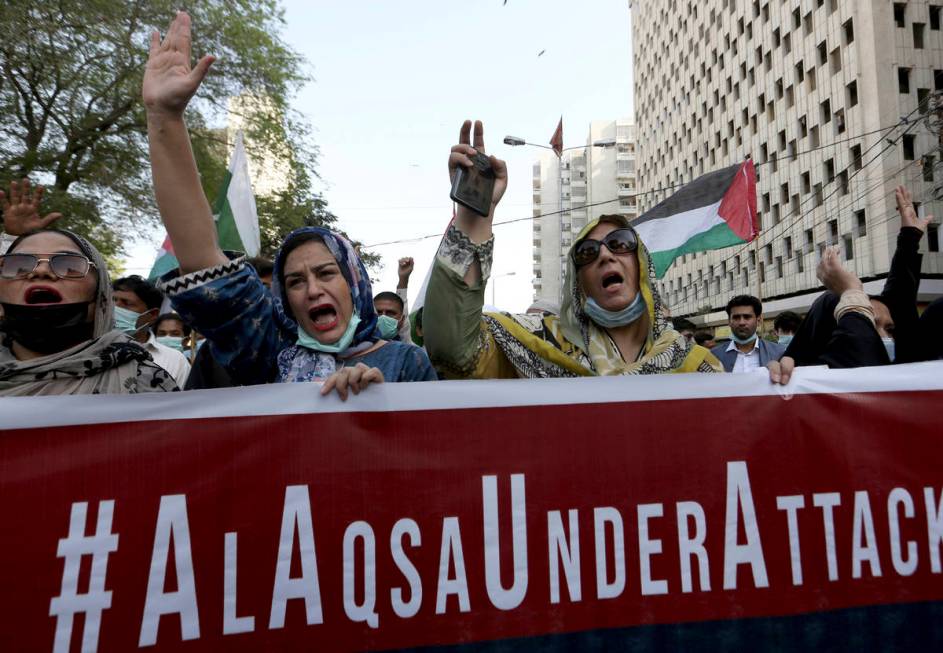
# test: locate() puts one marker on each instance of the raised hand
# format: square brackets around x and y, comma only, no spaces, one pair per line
[21,209]
[169,82]
[460,156]
[833,276]
[908,215]
[405,269]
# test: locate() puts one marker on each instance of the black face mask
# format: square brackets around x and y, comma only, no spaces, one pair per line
[47,329]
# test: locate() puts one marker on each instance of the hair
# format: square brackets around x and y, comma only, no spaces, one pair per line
[787,321]
[390,296]
[146,291]
[263,267]
[700,337]
[683,324]
[170,316]
[745,300]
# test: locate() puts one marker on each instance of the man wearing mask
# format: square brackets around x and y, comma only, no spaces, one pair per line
[746,351]
[392,307]
[137,305]
[785,326]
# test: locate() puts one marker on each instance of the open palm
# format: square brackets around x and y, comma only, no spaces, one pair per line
[169,81]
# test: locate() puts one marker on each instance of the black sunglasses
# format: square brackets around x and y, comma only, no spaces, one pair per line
[64,266]
[620,241]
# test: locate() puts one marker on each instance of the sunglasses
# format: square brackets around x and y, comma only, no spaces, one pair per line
[64,266]
[620,241]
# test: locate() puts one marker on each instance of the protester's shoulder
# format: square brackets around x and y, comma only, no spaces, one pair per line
[718,350]
[413,361]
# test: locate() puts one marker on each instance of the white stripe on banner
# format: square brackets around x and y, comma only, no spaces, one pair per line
[301,398]
[674,231]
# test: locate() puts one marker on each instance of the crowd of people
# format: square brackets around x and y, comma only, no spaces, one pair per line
[311,314]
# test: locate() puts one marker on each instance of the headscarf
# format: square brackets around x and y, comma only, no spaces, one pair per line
[298,363]
[573,345]
[109,363]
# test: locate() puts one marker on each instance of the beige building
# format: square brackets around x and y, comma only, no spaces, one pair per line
[586,182]
[812,90]
[269,169]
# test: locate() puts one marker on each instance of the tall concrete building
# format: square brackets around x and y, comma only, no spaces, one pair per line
[569,191]
[814,91]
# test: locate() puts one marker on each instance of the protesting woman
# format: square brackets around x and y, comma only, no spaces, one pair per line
[56,333]
[317,323]
[611,322]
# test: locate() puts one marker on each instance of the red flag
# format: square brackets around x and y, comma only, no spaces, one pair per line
[556,141]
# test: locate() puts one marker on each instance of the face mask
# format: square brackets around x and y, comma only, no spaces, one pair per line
[47,329]
[126,320]
[743,341]
[889,346]
[174,342]
[785,340]
[389,327]
[306,340]
[613,319]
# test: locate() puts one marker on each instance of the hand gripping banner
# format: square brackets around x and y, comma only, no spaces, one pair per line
[689,512]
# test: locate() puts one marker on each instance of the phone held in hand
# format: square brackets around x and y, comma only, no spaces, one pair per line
[473,187]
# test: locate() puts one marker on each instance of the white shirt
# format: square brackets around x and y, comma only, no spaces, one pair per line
[746,362]
[404,331]
[173,361]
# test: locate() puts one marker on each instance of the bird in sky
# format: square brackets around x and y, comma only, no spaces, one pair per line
[541,53]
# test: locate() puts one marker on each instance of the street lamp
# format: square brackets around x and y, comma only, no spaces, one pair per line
[494,284]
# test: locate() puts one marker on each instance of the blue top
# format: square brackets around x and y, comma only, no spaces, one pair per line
[251,336]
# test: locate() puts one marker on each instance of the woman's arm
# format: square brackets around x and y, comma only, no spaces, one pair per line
[169,84]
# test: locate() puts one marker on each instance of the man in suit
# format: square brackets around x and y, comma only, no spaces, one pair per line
[746,351]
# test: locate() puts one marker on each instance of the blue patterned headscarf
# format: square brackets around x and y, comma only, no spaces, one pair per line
[351,267]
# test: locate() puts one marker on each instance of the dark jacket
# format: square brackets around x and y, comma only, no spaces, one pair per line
[769,351]
[851,342]
[900,296]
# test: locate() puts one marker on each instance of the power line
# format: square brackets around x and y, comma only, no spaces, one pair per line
[905,121]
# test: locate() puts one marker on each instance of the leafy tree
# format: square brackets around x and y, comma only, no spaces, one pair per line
[70,97]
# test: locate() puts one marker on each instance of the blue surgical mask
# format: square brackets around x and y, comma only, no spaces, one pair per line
[306,340]
[174,342]
[889,346]
[612,319]
[126,320]
[388,326]
[785,340]
[743,341]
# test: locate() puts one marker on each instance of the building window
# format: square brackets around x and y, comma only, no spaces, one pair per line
[928,161]
[903,80]
[933,238]
[934,17]
[851,94]
[918,35]
[938,80]
[823,53]
[835,58]
[861,223]
[848,30]
[832,238]
[856,157]
[848,247]
[900,14]
[826,111]
[809,241]
[908,142]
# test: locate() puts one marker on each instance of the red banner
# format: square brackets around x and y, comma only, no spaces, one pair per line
[592,513]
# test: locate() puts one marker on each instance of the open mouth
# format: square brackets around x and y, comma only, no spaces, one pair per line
[611,279]
[323,317]
[42,295]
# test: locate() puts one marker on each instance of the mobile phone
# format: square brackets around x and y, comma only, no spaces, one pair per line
[473,187]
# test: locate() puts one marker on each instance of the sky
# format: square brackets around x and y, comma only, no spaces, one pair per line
[392,83]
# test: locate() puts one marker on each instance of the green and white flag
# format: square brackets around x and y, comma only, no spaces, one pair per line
[237,222]
[715,210]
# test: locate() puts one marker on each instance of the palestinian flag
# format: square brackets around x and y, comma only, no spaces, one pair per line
[237,223]
[714,211]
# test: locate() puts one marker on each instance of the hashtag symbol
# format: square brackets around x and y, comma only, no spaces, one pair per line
[69,602]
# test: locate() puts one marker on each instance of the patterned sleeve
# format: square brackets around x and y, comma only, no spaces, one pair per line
[458,343]
[238,315]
